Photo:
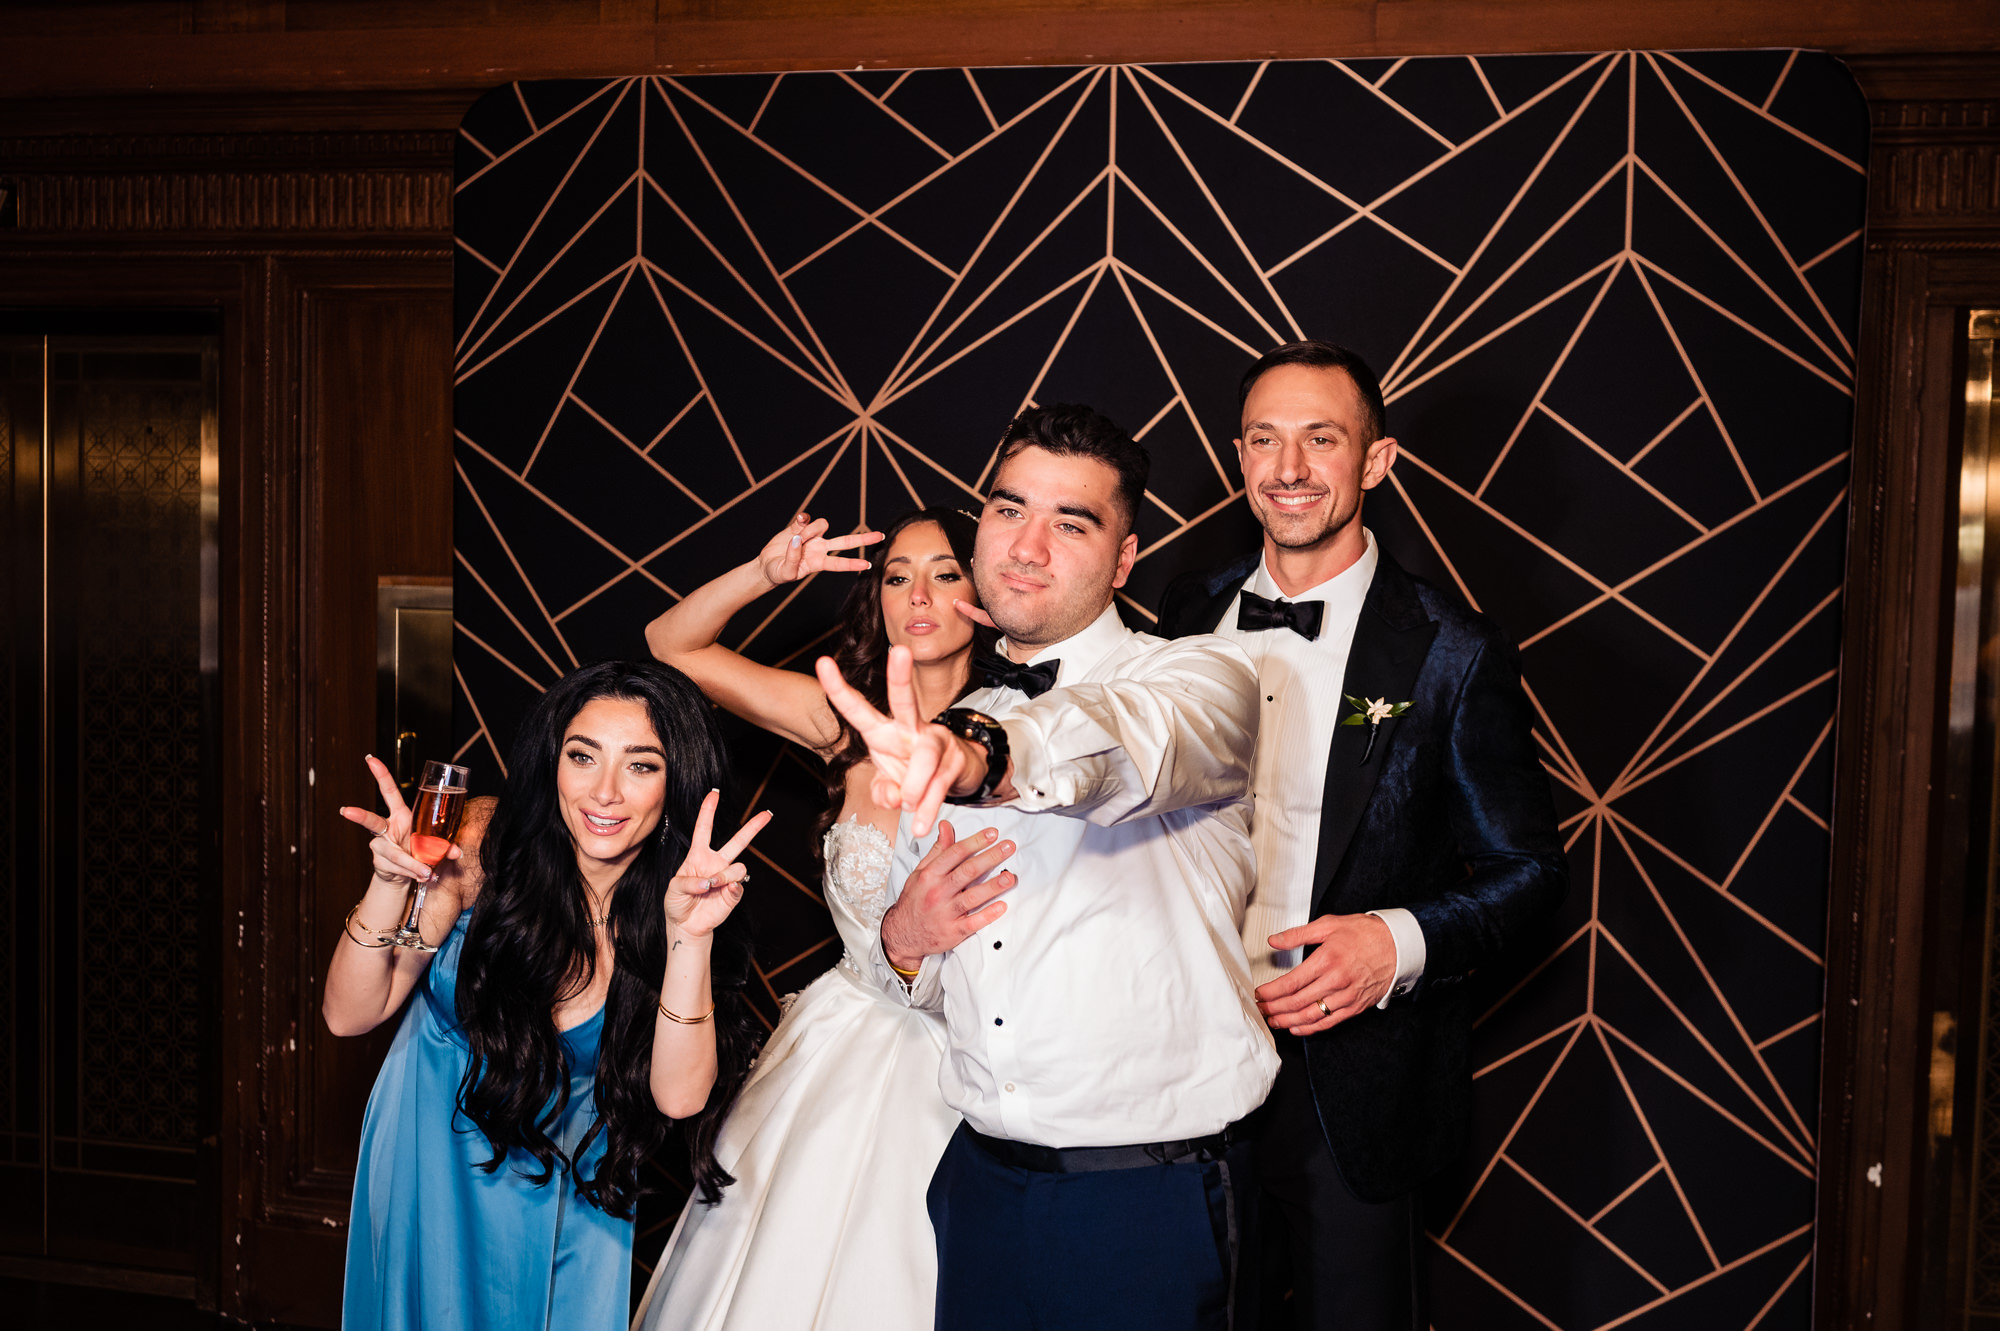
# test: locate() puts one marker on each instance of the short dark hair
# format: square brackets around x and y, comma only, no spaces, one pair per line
[1073,431]
[1324,356]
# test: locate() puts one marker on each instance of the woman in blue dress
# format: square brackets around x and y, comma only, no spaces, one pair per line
[580,998]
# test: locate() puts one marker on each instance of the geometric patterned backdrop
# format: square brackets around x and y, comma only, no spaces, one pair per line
[1613,301]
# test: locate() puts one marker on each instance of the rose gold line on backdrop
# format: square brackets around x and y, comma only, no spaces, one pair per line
[460,242]
[1638,759]
[1623,824]
[499,758]
[569,389]
[1519,1119]
[506,547]
[1597,1029]
[1798,134]
[1803,1141]
[578,109]
[1555,368]
[505,609]
[1588,1228]
[846,393]
[643,454]
[472,325]
[756,297]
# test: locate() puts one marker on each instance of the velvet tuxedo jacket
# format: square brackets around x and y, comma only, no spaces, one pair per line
[1448,816]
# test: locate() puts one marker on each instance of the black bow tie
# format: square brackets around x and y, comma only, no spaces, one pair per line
[1301,617]
[1033,680]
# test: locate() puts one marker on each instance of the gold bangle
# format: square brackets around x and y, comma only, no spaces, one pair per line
[679,1020]
[908,975]
[346,927]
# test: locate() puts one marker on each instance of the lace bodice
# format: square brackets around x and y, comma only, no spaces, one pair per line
[857,871]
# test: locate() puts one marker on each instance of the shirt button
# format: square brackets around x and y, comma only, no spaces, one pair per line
[1269,698]
[998,1022]
[1008,1087]
[996,945]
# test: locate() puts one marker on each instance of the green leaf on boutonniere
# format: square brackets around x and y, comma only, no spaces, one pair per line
[1372,711]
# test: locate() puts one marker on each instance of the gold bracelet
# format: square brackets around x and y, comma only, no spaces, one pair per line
[908,975]
[346,927]
[679,1020]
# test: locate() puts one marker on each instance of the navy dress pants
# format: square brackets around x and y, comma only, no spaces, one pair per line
[1148,1247]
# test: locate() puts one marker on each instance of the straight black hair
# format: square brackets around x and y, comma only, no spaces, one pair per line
[1324,356]
[530,944]
[1069,430]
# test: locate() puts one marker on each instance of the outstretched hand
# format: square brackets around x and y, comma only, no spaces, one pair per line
[390,843]
[803,548]
[917,763]
[710,882]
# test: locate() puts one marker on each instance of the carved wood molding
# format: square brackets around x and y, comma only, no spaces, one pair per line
[350,200]
[329,182]
[1935,164]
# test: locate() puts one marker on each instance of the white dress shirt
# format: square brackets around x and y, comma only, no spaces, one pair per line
[1110,1004]
[1299,690]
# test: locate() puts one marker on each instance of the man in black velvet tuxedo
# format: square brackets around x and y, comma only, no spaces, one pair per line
[1404,833]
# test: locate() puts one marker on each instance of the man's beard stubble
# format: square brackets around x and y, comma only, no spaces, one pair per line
[1060,620]
[1300,539]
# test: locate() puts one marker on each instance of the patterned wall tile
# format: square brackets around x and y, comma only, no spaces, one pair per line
[1613,299]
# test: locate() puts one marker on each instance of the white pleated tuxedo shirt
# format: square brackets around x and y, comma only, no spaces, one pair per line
[1110,1004]
[1299,683]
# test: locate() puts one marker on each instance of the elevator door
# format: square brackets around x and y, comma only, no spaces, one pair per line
[108,478]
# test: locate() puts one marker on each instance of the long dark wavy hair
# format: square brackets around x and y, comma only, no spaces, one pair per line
[862,650]
[530,945]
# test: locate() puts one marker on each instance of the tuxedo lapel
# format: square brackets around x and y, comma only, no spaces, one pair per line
[1212,596]
[1391,641]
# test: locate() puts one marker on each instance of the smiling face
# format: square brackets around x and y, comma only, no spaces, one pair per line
[1307,457]
[921,577]
[611,782]
[1052,546]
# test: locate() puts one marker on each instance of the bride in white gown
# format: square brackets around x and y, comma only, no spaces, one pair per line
[834,1138]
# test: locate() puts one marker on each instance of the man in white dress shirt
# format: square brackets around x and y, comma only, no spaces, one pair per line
[1404,832]
[1103,1040]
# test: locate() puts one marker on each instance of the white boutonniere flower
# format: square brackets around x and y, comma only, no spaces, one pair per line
[1372,712]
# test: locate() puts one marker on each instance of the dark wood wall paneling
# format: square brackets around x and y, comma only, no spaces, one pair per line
[1933,253]
[288,162]
[329,255]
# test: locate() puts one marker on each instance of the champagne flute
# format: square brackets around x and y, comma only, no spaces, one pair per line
[433,826]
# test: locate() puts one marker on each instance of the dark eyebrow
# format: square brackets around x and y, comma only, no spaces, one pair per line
[1309,425]
[1067,510]
[629,748]
[1079,511]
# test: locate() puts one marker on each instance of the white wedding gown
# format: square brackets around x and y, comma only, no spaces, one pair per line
[832,1143]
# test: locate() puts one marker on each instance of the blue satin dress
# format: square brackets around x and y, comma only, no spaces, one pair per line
[437,1244]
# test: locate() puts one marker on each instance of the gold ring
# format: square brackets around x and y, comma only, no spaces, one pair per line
[1324,1010]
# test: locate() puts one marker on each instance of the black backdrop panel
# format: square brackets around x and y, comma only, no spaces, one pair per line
[1613,299]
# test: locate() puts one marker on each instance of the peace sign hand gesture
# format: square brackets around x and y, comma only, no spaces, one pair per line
[390,844]
[803,548]
[917,763]
[709,883]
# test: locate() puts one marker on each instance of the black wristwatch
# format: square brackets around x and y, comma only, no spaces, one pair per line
[983,730]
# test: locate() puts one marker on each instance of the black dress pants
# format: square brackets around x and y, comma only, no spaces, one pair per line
[1326,1262]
